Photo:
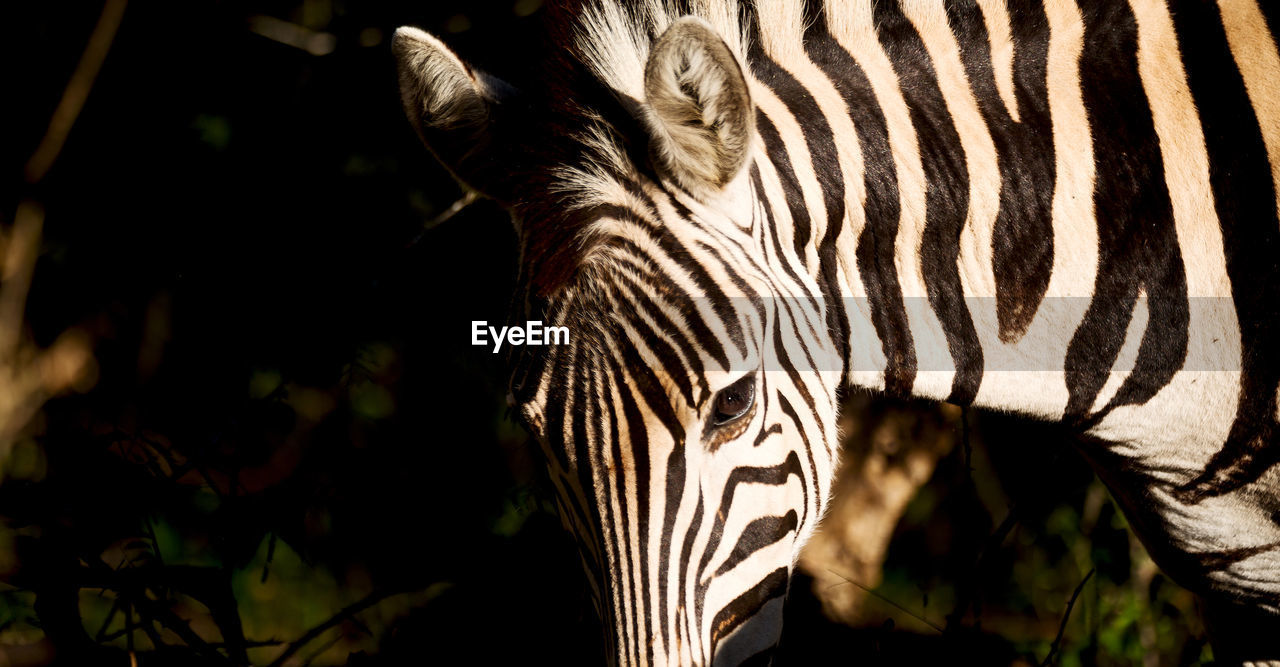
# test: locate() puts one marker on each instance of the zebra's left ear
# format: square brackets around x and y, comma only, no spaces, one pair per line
[453,107]
[697,107]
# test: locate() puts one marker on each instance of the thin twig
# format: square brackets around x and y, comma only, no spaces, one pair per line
[111,615]
[968,591]
[468,198]
[128,626]
[22,246]
[148,627]
[155,543]
[76,92]
[155,612]
[315,42]
[1066,616]
[320,651]
[271,553]
[353,608]
[886,600]
[30,381]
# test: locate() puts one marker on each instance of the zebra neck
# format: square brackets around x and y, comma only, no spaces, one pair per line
[918,167]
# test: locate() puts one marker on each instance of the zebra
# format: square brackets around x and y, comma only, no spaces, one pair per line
[1065,209]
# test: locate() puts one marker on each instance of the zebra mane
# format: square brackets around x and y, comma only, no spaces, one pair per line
[613,41]
[610,43]
[595,91]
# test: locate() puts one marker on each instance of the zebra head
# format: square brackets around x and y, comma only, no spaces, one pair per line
[688,423]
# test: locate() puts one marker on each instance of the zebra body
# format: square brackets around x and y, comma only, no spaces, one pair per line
[1058,209]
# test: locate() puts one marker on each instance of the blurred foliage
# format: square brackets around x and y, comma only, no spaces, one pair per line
[289,431]
[292,454]
[1063,530]
[987,560]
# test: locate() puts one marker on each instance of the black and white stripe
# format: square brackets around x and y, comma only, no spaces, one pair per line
[1064,209]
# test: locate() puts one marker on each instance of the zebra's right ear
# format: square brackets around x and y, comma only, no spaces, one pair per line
[698,110]
[451,106]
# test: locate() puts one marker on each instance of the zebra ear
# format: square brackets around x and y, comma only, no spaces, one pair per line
[698,110]
[451,106]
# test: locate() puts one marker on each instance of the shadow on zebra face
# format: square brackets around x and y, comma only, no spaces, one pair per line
[688,423]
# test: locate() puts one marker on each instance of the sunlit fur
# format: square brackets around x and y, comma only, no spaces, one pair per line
[1058,209]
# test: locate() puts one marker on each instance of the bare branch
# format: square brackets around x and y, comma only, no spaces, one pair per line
[1066,616]
[456,207]
[77,91]
[346,612]
[878,596]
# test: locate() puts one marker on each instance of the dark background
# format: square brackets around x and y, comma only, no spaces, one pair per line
[289,418]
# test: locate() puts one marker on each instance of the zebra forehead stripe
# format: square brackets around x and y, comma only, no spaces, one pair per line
[774,243]
[789,411]
[800,220]
[653,336]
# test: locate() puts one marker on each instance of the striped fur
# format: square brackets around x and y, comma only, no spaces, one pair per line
[1058,209]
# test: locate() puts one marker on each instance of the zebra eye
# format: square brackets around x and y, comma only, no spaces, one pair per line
[735,400]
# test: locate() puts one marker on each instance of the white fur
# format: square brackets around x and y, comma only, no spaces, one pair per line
[436,87]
